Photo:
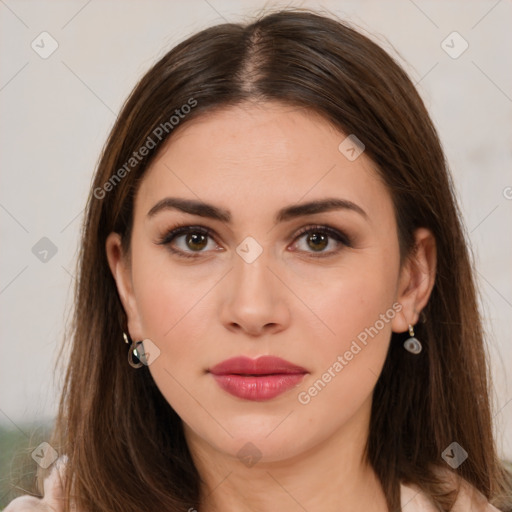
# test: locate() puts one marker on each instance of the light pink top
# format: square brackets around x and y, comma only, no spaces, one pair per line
[469,500]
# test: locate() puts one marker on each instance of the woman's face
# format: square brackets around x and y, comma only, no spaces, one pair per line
[256,286]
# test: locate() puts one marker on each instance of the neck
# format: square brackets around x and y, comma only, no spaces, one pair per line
[331,476]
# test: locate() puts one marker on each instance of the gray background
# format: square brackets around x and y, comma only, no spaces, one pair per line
[55,114]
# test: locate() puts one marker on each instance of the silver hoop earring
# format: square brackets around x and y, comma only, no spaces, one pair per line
[134,353]
[412,344]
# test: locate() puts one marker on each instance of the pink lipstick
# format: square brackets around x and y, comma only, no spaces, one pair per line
[257,379]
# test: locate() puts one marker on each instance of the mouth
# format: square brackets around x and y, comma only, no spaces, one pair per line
[257,379]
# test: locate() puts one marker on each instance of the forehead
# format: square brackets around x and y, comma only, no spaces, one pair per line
[259,155]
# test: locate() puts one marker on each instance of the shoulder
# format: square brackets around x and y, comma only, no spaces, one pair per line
[469,499]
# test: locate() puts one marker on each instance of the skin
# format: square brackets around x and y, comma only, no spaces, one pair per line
[253,160]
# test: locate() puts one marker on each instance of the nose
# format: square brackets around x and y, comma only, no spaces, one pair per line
[256,302]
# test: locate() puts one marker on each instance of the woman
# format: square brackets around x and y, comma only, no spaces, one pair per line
[272,234]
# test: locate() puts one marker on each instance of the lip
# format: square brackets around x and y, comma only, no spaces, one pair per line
[257,379]
[263,365]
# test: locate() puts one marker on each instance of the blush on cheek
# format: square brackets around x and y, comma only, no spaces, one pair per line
[362,331]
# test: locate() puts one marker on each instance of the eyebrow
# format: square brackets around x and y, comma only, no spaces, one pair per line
[203,209]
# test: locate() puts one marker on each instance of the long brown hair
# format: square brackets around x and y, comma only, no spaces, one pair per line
[125,443]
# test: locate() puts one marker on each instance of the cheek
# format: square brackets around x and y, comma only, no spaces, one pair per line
[351,298]
[356,308]
[170,307]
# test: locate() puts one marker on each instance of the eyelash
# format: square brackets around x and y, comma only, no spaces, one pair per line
[183,229]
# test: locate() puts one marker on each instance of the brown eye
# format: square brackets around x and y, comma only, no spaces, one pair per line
[318,238]
[194,239]
[317,241]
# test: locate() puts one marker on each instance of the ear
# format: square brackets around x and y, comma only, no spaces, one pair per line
[121,271]
[416,281]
